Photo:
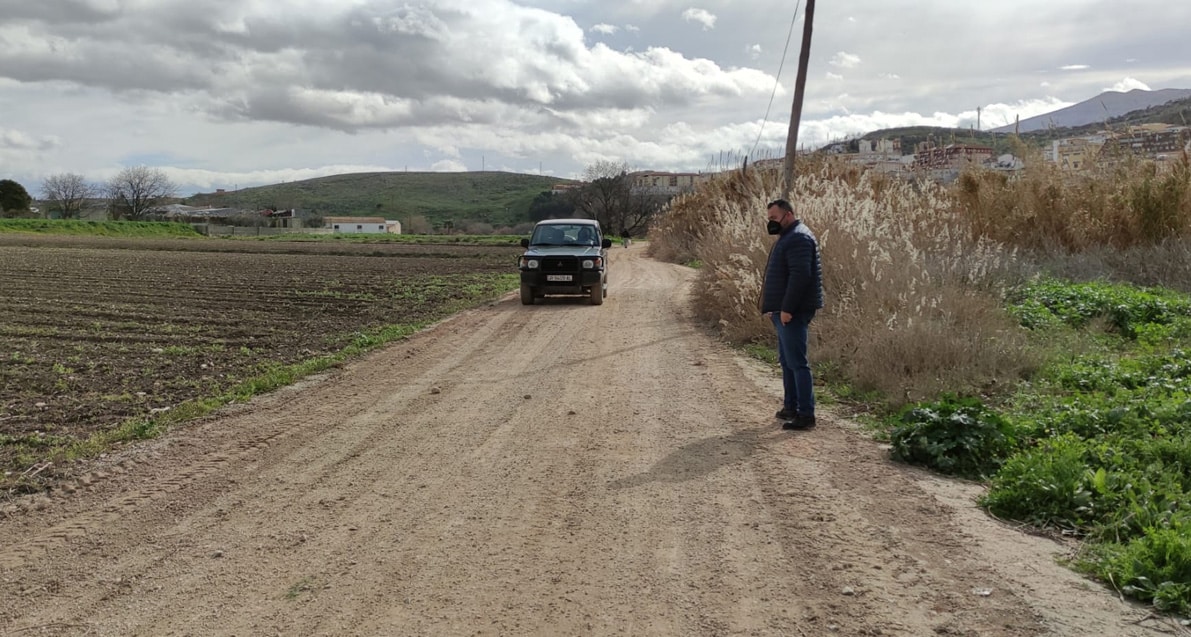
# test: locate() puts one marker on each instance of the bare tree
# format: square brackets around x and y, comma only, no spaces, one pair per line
[135,190]
[417,224]
[603,193]
[68,193]
[609,197]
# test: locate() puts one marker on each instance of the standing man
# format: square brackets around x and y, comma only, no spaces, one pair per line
[791,292]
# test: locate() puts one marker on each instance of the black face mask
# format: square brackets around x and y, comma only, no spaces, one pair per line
[774,227]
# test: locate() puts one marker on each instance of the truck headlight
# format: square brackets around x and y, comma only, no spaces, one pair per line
[592,264]
[588,264]
[529,264]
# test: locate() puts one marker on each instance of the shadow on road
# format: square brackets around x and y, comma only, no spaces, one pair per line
[701,458]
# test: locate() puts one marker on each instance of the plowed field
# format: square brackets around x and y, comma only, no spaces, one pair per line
[95,331]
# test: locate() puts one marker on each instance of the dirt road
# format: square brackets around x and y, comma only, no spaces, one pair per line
[560,469]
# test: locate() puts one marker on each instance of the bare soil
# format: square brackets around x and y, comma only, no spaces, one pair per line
[95,331]
[559,469]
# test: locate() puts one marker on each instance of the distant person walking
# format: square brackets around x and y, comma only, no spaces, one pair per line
[625,238]
[791,293]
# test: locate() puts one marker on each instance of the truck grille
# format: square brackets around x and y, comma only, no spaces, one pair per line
[565,265]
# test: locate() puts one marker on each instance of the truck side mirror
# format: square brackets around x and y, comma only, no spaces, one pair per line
[525,243]
[607,243]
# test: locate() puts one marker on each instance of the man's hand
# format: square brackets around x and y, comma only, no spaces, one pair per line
[787,317]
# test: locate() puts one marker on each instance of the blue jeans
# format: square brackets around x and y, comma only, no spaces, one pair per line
[796,370]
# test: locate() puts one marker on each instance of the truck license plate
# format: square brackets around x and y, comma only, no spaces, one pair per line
[558,277]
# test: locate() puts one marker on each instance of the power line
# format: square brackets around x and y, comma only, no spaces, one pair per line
[777,80]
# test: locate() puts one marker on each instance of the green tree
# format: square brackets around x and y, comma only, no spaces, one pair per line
[14,199]
[548,205]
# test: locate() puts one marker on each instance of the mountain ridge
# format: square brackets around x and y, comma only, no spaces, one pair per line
[1105,106]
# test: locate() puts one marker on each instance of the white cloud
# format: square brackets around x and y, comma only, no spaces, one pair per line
[1074,67]
[845,60]
[995,115]
[1128,84]
[448,166]
[224,93]
[17,140]
[702,16]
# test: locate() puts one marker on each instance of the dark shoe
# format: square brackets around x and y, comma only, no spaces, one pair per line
[800,422]
[786,414]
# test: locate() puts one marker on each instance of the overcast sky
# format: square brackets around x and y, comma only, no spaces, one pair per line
[235,93]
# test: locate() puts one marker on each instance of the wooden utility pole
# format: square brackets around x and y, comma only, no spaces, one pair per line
[796,112]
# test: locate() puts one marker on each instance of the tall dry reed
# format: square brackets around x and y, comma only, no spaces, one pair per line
[1047,210]
[912,296]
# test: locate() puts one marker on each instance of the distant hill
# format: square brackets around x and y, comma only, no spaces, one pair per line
[1105,106]
[499,198]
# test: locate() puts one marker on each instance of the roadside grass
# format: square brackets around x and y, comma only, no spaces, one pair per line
[763,352]
[1070,398]
[153,229]
[34,451]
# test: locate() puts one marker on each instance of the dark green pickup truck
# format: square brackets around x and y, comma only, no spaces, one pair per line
[565,256]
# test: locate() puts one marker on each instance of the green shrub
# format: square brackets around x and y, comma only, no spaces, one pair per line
[957,436]
[1049,486]
[1155,567]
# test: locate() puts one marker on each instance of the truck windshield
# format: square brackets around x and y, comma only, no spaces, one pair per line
[565,235]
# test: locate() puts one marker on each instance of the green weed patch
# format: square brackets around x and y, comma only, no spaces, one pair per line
[1127,309]
[956,436]
[99,228]
[1097,445]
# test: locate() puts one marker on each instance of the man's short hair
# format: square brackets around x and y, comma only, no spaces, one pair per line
[780,203]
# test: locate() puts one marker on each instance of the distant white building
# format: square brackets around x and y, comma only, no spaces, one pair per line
[362,225]
[664,183]
[882,147]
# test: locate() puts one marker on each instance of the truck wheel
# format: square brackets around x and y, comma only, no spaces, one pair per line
[526,295]
[597,294]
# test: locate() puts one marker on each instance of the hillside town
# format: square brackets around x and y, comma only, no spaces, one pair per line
[1161,143]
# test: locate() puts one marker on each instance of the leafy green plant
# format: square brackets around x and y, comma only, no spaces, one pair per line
[957,436]
[1126,308]
[1049,486]
[1155,567]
